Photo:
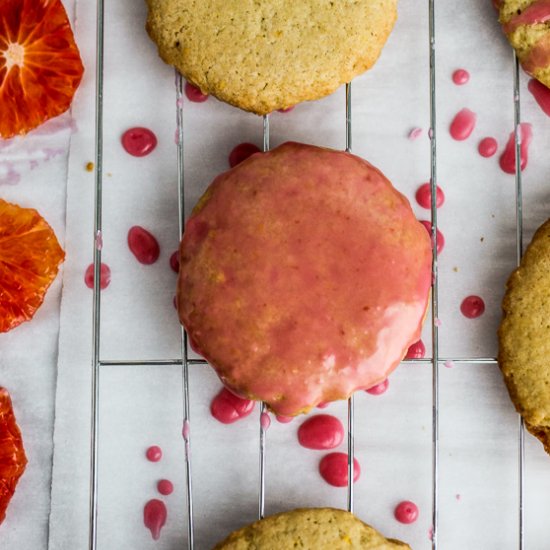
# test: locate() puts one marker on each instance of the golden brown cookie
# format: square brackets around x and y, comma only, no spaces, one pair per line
[263,55]
[526,23]
[309,529]
[524,336]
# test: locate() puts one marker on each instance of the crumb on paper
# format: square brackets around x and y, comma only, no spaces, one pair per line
[89,167]
[109,174]
[455,269]
[481,239]
[458,496]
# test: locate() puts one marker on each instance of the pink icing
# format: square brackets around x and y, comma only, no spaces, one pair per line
[138,142]
[487,147]
[227,408]
[143,245]
[379,389]
[284,419]
[322,405]
[539,55]
[165,487]
[416,350]
[175,261]
[242,152]
[440,237]
[424,196]
[265,421]
[334,469]
[154,517]
[185,431]
[321,432]
[472,307]
[305,277]
[415,133]
[537,12]
[508,158]
[463,124]
[449,364]
[541,94]
[105,276]
[461,77]
[154,453]
[194,94]
[437,322]
[406,512]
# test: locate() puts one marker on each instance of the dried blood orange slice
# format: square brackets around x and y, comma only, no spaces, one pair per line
[12,453]
[29,260]
[40,67]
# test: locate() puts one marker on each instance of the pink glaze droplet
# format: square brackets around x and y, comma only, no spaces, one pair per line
[487,147]
[463,125]
[472,307]
[138,142]
[416,350]
[154,517]
[541,94]
[185,430]
[321,432]
[242,152]
[194,94]
[440,237]
[227,408]
[265,421]
[143,245]
[379,389]
[424,196]
[415,133]
[461,77]
[99,240]
[154,453]
[406,512]
[449,364]
[437,322]
[508,158]
[323,405]
[165,487]
[284,419]
[175,261]
[334,469]
[105,276]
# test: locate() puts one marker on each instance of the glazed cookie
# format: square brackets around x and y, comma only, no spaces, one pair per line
[310,529]
[526,23]
[524,336]
[263,55]
[304,276]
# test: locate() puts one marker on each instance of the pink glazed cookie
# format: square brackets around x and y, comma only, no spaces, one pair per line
[304,277]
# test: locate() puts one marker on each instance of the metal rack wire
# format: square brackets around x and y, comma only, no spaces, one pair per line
[185,362]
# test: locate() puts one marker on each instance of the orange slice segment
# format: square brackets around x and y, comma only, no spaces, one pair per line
[29,261]
[40,66]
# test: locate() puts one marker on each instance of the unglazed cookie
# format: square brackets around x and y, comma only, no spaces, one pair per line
[524,336]
[304,276]
[262,55]
[310,529]
[526,23]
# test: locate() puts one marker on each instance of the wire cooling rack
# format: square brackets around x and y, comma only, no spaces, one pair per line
[186,362]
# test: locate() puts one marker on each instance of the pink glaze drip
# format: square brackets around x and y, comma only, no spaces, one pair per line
[472,307]
[487,147]
[541,94]
[138,141]
[416,351]
[415,133]
[538,12]
[99,240]
[406,512]
[463,125]
[105,276]
[508,158]
[437,322]
[153,453]
[242,152]
[334,469]
[379,389]
[175,261]
[424,196]
[185,431]
[440,237]
[143,245]
[284,419]
[154,517]
[165,487]
[265,421]
[461,77]
[323,405]
[449,364]
[321,432]
[227,408]
[194,94]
